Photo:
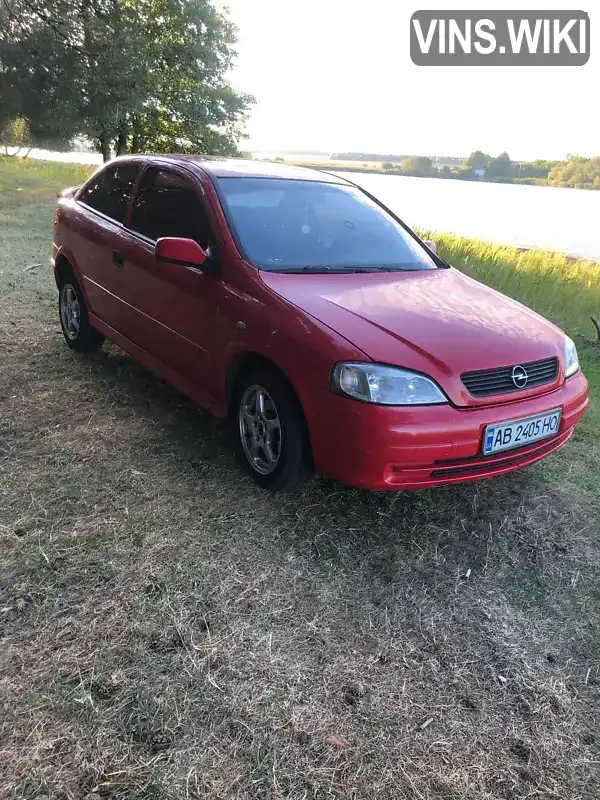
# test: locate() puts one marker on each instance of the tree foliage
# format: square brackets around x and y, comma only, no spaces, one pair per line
[577,171]
[134,74]
[478,160]
[33,63]
[497,168]
[418,165]
[16,137]
[500,167]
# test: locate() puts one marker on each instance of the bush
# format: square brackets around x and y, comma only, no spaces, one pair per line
[16,135]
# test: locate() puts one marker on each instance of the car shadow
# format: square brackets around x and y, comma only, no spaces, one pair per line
[332,523]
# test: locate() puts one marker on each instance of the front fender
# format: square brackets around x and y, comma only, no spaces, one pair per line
[302,349]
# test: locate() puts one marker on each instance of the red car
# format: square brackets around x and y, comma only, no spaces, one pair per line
[296,304]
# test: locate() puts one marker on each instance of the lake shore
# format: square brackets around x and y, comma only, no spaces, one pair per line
[377,169]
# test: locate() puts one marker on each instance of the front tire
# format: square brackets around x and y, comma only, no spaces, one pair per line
[271,432]
[78,333]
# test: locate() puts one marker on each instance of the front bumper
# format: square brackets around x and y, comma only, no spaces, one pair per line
[379,447]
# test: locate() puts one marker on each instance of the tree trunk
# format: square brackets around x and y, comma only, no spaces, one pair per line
[136,139]
[121,143]
[104,147]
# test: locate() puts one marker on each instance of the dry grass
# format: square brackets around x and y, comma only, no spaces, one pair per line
[169,631]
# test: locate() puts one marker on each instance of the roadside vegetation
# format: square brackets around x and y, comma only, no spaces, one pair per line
[169,631]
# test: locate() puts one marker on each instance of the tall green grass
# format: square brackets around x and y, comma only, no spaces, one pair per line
[565,290]
[37,172]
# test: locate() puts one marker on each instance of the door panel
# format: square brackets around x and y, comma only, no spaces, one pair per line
[94,238]
[175,306]
[96,234]
[170,308]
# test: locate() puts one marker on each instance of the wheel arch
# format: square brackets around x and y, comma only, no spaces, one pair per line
[65,263]
[243,363]
[62,266]
[247,361]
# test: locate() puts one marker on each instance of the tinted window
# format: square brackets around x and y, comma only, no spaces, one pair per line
[168,205]
[109,191]
[295,224]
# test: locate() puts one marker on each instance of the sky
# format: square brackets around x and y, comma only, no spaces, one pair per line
[336,75]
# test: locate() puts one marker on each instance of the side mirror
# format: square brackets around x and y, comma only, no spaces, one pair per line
[431,246]
[185,252]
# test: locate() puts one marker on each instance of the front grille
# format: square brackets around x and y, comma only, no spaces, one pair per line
[486,382]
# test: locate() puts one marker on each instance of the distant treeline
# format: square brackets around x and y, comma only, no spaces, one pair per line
[575,171]
[391,158]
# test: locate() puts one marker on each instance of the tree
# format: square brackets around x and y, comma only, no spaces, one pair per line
[33,61]
[535,169]
[500,167]
[478,160]
[418,165]
[129,74]
[576,171]
[387,165]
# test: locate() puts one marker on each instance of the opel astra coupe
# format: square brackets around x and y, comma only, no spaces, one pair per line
[296,304]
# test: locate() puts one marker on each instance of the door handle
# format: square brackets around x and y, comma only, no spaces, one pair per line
[118,258]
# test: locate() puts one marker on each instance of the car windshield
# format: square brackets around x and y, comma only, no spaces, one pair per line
[285,225]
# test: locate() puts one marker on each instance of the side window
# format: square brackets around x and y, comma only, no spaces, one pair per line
[109,191]
[168,205]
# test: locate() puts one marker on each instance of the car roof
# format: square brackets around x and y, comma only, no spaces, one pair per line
[244,168]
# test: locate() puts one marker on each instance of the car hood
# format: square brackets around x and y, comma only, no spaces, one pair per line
[439,322]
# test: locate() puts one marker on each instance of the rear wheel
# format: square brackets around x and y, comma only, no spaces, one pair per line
[78,332]
[271,432]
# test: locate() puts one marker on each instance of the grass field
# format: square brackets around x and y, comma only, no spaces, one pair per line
[167,630]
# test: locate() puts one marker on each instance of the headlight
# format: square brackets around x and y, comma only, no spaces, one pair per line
[388,386]
[571,358]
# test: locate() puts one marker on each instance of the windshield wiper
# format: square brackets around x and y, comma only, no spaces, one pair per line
[309,268]
[322,268]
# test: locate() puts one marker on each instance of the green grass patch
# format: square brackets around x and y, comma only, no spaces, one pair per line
[17,174]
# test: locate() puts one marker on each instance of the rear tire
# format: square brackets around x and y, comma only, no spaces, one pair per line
[271,433]
[78,333]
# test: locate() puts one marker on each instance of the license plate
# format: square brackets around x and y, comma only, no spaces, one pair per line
[520,432]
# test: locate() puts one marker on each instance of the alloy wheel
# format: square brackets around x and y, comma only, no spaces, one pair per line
[70,312]
[260,429]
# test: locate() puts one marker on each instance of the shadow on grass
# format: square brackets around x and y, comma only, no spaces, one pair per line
[165,606]
[472,524]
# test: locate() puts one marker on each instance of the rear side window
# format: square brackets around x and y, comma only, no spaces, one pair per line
[166,204]
[109,191]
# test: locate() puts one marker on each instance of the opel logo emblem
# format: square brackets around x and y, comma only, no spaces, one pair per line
[519,377]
